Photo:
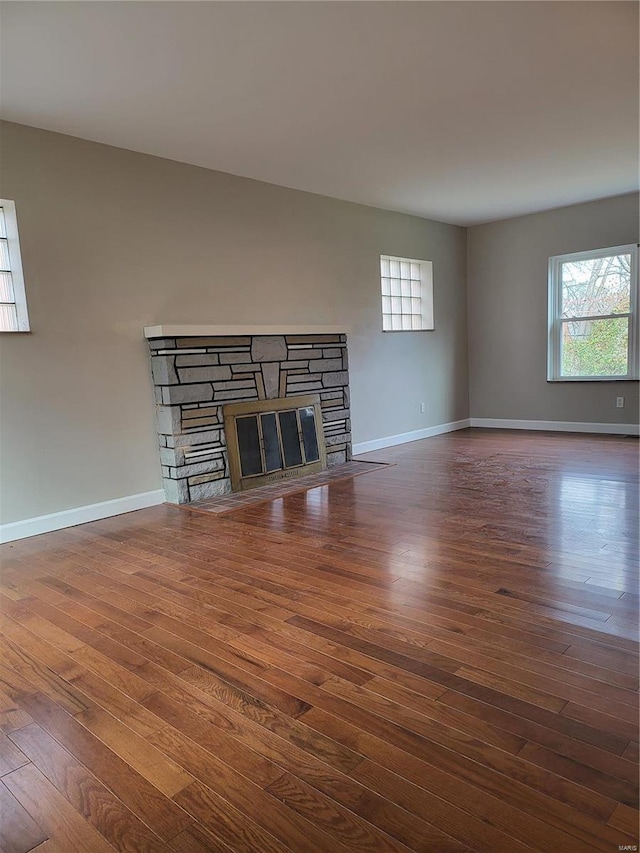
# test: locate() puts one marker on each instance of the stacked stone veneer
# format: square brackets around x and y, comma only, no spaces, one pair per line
[194,378]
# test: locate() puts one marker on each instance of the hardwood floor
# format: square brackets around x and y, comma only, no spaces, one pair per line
[439,655]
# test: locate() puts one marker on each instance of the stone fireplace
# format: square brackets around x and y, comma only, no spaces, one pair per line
[198,370]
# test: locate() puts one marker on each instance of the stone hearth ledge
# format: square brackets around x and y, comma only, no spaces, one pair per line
[223,331]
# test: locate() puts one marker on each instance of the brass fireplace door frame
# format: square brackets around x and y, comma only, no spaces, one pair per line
[231,411]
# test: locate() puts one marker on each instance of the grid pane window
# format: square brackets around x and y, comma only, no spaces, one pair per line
[407,294]
[8,318]
[5,264]
[13,306]
[6,288]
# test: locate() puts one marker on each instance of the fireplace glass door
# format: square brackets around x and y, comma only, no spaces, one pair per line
[273,439]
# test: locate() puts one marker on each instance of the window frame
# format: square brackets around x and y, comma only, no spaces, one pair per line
[555,320]
[427,309]
[15,262]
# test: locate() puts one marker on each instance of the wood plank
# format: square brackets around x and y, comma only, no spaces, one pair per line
[457,720]
[226,823]
[53,813]
[254,724]
[117,703]
[19,832]
[226,746]
[622,790]
[566,737]
[415,832]
[506,802]
[624,729]
[46,630]
[41,650]
[23,673]
[346,828]
[233,688]
[150,763]
[488,692]
[196,839]
[97,805]
[139,795]
[437,631]
[125,680]
[380,812]
[12,716]
[563,684]
[266,811]
[632,752]
[512,688]
[49,846]
[625,819]
[462,757]
[10,756]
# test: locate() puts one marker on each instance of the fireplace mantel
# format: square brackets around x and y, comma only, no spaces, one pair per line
[224,331]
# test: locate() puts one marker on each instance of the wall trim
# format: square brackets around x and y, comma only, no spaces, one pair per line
[406,437]
[556,426]
[78,515]
[494,423]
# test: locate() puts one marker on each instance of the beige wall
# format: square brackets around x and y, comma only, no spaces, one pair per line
[114,240]
[507,292]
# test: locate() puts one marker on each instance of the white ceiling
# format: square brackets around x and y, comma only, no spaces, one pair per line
[459,111]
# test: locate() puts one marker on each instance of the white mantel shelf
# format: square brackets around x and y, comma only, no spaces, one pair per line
[221,331]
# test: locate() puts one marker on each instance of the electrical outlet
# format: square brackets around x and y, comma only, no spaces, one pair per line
[619,402]
[422,408]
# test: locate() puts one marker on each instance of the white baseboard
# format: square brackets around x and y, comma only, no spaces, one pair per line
[405,437]
[494,423]
[79,515]
[556,426]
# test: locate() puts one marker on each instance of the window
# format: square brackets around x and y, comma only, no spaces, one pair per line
[407,294]
[593,319]
[13,303]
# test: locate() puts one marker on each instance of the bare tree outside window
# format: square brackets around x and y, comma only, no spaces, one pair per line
[595,289]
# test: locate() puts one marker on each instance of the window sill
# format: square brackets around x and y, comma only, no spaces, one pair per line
[595,379]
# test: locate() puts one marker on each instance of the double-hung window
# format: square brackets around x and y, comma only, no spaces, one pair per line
[13,302]
[593,315]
